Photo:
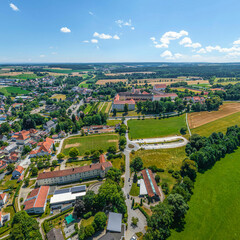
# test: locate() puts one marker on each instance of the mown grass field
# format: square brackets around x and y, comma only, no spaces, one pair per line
[113,122]
[215,206]
[91,142]
[151,128]
[219,125]
[8,90]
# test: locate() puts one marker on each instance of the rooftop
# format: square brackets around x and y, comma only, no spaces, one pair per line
[114,222]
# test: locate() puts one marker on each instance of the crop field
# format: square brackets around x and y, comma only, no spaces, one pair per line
[104,81]
[59,96]
[20,76]
[215,206]
[219,125]
[87,109]
[151,128]
[127,73]
[198,119]
[91,142]
[68,71]
[181,89]
[10,74]
[105,107]
[169,81]
[8,90]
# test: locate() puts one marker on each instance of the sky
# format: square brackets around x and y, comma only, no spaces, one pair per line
[119,31]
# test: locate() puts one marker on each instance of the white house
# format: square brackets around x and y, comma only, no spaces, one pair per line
[3,198]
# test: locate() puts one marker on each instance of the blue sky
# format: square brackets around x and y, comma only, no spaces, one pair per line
[119,31]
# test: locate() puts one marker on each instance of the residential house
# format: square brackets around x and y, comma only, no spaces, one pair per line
[159,87]
[22,137]
[10,148]
[37,200]
[3,164]
[73,174]
[3,198]
[158,97]
[49,125]
[4,218]
[120,104]
[17,105]
[18,172]
[43,148]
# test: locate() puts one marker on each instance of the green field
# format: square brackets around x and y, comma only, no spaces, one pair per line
[135,190]
[92,142]
[215,206]
[219,125]
[22,76]
[113,122]
[151,128]
[8,90]
[64,70]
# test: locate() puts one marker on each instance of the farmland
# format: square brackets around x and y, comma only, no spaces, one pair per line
[219,125]
[197,119]
[150,128]
[104,81]
[214,206]
[16,90]
[23,76]
[89,143]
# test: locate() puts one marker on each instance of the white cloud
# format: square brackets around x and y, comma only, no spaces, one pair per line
[237,42]
[178,55]
[167,54]
[65,30]
[94,40]
[116,37]
[85,41]
[91,13]
[42,56]
[160,45]
[202,50]
[13,7]
[187,42]
[168,36]
[122,23]
[153,39]
[102,35]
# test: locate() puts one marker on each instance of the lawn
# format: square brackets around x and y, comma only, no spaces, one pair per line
[89,143]
[8,90]
[219,125]
[79,163]
[151,128]
[215,206]
[134,190]
[86,222]
[118,163]
[113,122]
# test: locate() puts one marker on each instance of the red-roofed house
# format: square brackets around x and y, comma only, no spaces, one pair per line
[164,95]
[22,137]
[150,184]
[159,87]
[3,164]
[36,200]
[17,105]
[3,198]
[43,148]
[19,170]
[102,158]
[119,104]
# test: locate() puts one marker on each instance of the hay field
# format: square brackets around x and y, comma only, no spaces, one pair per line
[104,81]
[198,119]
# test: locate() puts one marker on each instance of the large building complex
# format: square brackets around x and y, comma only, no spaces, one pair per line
[74,174]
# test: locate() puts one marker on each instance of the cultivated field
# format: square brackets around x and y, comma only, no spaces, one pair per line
[197,119]
[126,73]
[8,90]
[89,143]
[59,96]
[151,128]
[104,81]
[219,125]
[15,73]
[215,206]
[169,81]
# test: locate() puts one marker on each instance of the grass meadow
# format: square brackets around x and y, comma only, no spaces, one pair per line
[91,142]
[219,125]
[215,206]
[151,128]
[8,90]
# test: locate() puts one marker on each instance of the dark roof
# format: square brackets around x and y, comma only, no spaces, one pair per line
[71,171]
[55,234]
[114,222]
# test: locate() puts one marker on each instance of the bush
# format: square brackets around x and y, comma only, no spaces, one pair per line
[165,188]
[87,215]
[176,175]
[170,171]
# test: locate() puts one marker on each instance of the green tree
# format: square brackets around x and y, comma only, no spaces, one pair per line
[5,128]
[183,130]
[60,156]
[137,164]
[73,153]
[54,163]
[10,167]
[99,221]
[26,182]
[189,168]
[134,221]
[126,108]
[89,231]
[112,149]
[114,174]
[34,171]
[24,227]
[157,178]
[114,112]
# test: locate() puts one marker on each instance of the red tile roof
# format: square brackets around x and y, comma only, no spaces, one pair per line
[118,101]
[71,171]
[166,95]
[160,85]
[19,169]
[102,158]
[2,196]
[37,198]
[147,180]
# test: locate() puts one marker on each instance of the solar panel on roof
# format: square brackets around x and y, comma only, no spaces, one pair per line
[61,191]
[78,189]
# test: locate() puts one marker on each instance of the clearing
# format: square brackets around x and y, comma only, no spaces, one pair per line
[214,206]
[59,96]
[91,142]
[151,128]
[198,119]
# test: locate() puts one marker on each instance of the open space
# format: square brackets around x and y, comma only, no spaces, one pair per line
[215,206]
[16,90]
[197,119]
[104,81]
[219,125]
[150,128]
[89,143]
[59,96]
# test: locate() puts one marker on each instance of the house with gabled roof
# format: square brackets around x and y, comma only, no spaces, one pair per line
[18,172]
[43,148]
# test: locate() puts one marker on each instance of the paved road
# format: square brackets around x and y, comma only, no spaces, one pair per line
[75,107]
